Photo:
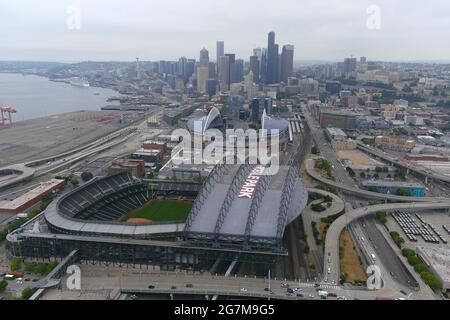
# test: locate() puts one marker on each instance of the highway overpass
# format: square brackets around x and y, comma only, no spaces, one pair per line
[331,261]
[360,192]
[400,163]
[15,174]
[23,172]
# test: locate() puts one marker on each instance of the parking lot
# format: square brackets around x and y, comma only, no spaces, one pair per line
[423,228]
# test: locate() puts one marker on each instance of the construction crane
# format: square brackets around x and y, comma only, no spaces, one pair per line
[6,118]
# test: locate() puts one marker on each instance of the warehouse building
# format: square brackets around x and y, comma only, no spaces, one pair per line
[341,120]
[31,198]
[438,260]
[392,187]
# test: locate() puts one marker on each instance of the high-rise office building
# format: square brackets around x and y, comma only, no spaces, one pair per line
[232,57]
[220,51]
[236,104]
[258,107]
[237,71]
[272,59]
[182,62]
[211,87]
[277,63]
[255,67]
[212,70]
[349,65]
[190,68]
[258,52]
[363,60]
[204,58]
[287,62]
[202,76]
[263,66]
[224,72]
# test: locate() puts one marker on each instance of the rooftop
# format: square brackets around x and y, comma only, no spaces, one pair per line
[30,195]
[336,132]
[388,183]
[438,258]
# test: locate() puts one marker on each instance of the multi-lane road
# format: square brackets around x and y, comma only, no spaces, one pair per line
[146,282]
[374,242]
[331,261]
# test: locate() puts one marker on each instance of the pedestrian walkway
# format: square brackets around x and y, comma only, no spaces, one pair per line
[322,286]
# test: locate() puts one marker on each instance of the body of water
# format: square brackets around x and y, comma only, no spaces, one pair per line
[35,97]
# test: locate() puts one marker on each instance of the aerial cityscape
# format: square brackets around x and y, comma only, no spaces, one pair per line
[234,173]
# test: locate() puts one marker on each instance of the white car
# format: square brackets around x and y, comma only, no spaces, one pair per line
[244,290]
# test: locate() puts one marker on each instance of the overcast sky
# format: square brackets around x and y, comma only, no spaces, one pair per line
[168,29]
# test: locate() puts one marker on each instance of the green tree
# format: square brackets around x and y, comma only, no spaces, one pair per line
[40,268]
[404,192]
[50,266]
[413,260]
[408,252]
[344,277]
[420,267]
[27,293]
[315,150]
[3,285]
[401,173]
[382,217]
[86,176]
[317,207]
[431,280]
[407,89]
[15,264]
[399,241]
[33,213]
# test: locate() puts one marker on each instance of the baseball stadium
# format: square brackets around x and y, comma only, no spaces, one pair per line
[239,212]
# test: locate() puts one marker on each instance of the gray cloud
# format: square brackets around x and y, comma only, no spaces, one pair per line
[123,29]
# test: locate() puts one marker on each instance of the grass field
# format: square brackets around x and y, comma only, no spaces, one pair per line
[159,211]
[349,261]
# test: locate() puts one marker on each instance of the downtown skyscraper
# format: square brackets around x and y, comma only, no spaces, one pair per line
[204,58]
[220,51]
[287,63]
[272,60]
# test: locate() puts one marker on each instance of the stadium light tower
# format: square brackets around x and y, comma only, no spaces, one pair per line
[6,118]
